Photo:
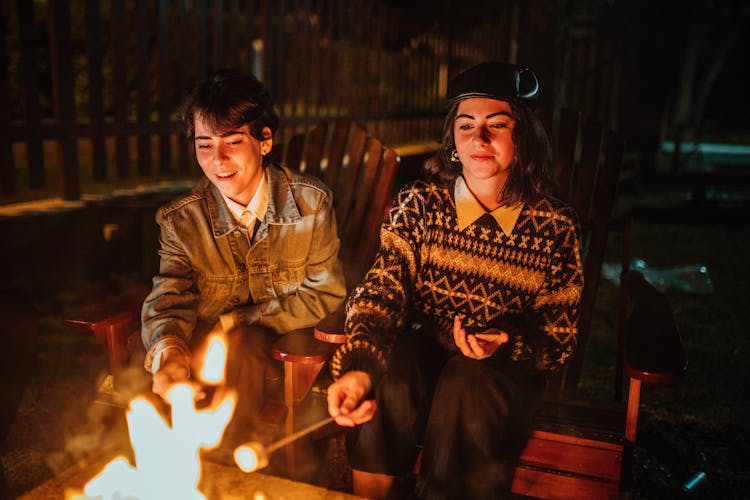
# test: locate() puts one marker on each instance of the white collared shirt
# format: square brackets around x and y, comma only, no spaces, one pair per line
[469,209]
[258,205]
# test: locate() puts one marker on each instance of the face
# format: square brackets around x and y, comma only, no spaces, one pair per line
[232,160]
[483,134]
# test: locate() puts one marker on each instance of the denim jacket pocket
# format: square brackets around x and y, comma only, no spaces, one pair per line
[217,295]
[288,277]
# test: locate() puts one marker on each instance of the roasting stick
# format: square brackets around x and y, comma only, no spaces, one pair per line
[296,435]
[253,455]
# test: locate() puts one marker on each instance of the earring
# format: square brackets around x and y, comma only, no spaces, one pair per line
[454,156]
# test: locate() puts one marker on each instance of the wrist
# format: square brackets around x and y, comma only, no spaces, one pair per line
[166,350]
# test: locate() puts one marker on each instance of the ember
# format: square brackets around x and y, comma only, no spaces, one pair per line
[167,462]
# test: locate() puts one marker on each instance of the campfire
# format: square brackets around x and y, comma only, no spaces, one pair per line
[167,456]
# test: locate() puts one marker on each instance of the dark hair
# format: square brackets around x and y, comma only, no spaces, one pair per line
[529,174]
[229,99]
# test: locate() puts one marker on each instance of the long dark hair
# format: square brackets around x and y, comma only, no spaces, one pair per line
[530,169]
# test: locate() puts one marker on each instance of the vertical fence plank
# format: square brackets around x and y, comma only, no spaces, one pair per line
[165,103]
[201,49]
[251,35]
[326,59]
[120,87]
[184,78]
[218,36]
[7,167]
[96,87]
[306,71]
[273,52]
[30,89]
[143,108]
[61,46]
[234,24]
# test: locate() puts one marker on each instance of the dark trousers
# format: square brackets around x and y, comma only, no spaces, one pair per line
[472,418]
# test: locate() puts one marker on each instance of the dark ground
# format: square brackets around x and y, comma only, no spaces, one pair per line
[698,425]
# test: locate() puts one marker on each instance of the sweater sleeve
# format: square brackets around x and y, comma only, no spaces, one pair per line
[554,311]
[376,308]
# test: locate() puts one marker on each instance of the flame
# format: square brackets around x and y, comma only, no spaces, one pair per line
[215,360]
[167,462]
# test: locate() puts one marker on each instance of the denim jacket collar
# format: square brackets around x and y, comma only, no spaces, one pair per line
[282,209]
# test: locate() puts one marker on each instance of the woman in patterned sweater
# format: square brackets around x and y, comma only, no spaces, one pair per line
[471,301]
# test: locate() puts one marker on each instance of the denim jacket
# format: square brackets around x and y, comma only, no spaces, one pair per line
[287,278]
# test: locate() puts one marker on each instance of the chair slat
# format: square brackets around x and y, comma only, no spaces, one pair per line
[363,191]
[565,152]
[336,150]
[294,150]
[316,143]
[585,175]
[379,205]
[348,180]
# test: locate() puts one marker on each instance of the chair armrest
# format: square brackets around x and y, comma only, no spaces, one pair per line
[653,349]
[301,347]
[331,328]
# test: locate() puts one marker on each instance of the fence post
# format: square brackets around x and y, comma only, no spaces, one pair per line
[7,176]
[95,53]
[31,104]
[62,87]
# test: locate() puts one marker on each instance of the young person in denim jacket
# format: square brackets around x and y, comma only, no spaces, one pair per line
[252,251]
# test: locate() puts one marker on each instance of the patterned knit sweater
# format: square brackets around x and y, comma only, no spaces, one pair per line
[427,271]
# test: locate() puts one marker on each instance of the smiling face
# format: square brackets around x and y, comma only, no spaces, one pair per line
[231,159]
[483,135]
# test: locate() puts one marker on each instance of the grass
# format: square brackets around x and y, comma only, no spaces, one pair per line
[702,422]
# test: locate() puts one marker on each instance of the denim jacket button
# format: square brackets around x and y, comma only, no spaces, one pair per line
[235,300]
[237,234]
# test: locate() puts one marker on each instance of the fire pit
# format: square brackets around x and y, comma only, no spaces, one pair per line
[219,482]
[167,459]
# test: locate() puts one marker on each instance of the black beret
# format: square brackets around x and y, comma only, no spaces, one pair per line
[496,80]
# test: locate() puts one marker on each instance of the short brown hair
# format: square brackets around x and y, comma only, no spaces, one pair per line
[229,99]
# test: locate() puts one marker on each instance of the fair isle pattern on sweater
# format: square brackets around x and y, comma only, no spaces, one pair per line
[527,283]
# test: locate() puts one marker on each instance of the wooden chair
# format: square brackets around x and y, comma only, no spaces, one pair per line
[360,171]
[577,447]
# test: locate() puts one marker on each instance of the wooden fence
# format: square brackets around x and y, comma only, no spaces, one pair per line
[89,88]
